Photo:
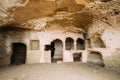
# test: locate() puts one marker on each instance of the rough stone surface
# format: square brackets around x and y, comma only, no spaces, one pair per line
[68,71]
[97,19]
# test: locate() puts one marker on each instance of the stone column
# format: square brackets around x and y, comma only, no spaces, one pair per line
[86,45]
[75,45]
[64,46]
[67,57]
[92,43]
[64,49]
[42,54]
[84,56]
[85,52]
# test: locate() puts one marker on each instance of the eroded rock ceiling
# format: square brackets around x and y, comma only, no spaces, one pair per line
[77,13]
[20,10]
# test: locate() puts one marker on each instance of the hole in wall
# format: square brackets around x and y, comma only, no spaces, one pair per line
[69,43]
[56,48]
[96,58]
[19,53]
[77,57]
[80,44]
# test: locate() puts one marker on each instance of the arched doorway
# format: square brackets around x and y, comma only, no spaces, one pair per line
[19,53]
[69,43]
[95,58]
[80,44]
[56,48]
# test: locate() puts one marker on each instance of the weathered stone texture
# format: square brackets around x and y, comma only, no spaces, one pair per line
[23,20]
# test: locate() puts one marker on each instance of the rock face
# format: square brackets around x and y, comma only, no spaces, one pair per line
[97,20]
[7,8]
[29,9]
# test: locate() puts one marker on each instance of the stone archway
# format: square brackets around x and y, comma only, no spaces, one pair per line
[56,48]
[69,43]
[95,57]
[80,44]
[19,53]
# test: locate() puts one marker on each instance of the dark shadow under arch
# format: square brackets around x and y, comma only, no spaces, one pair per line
[69,43]
[19,53]
[80,44]
[56,48]
[95,57]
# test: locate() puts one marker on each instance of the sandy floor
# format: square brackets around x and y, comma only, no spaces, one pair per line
[63,71]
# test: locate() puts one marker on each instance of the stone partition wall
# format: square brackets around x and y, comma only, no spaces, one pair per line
[38,46]
[35,42]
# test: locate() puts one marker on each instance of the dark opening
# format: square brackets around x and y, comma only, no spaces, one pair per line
[80,44]
[69,44]
[19,53]
[47,47]
[105,1]
[52,47]
[95,58]
[77,57]
[56,48]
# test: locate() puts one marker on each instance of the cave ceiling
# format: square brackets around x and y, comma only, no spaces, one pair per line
[69,12]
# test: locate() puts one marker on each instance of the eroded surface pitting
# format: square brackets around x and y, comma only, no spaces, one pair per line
[22,10]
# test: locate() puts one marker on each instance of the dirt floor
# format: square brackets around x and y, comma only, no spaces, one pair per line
[60,71]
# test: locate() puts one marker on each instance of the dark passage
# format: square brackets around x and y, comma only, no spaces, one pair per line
[52,47]
[96,58]
[80,44]
[56,48]
[19,53]
[77,57]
